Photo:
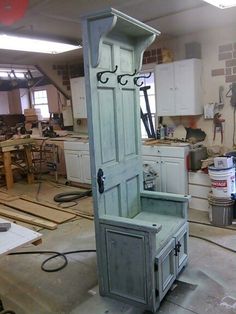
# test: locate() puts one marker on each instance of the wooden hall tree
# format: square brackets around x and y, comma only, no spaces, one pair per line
[141,237]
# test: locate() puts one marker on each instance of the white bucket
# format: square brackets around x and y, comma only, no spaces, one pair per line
[222,181]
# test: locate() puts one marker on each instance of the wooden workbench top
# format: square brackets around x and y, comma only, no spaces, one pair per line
[16,141]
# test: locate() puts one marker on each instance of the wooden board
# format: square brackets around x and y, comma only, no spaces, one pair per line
[39,210]
[8,197]
[16,237]
[28,219]
[67,210]
[158,142]
[23,224]
[20,141]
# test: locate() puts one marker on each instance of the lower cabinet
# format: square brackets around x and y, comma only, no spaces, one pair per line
[77,162]
[169,174]
[170,261]
[173,175]
[152,173]
[168,166]
[181,241]
[165,269]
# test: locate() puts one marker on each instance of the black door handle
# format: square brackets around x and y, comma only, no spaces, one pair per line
[177,248]
[100,180]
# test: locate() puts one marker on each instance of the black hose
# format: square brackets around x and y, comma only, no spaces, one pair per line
[213,242]
[55,255]
[209,225]
[71,196]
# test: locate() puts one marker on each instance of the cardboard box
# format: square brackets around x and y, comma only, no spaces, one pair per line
[223,162]
[32,112]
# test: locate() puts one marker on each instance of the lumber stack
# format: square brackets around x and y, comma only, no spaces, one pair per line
[41,214]
[32,213]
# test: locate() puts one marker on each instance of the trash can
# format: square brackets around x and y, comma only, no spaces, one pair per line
[220,210]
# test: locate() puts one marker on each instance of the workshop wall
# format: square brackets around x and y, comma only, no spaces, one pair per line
[218,50]
[4,106]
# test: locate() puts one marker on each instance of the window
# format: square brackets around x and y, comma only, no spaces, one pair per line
[151,98]
[41,102]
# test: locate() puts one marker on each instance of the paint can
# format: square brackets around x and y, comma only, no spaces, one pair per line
[222,181]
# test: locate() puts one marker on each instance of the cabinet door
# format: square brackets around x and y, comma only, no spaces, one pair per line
[173,175]
[187,75]
[181,239]
[166,269]
[184,87]
[152,167]
[78,97]
[85,163]
[73,166]
[164,84]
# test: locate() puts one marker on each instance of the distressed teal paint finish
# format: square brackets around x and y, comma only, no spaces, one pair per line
[137,232]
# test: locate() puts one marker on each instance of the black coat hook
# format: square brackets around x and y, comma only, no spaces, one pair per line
[119,77]
[99,75]
[141,77]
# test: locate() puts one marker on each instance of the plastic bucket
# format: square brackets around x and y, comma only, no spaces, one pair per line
[222,181]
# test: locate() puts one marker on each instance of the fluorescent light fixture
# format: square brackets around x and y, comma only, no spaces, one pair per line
[4,74]
[11,42]
[222,4]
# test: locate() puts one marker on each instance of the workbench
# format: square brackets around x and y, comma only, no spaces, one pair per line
[7,148]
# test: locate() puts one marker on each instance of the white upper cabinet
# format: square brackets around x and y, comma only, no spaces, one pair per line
[78,97]
[178,88]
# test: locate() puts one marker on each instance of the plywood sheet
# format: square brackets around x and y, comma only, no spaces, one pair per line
[16,237]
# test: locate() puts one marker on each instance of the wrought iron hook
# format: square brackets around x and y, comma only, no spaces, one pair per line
[141,77]
[119,77]
[99,75]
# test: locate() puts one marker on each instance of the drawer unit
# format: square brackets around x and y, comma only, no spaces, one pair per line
[76,145]
[167,151]
[199,188]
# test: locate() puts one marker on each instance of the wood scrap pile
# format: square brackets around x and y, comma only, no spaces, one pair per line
[41,214]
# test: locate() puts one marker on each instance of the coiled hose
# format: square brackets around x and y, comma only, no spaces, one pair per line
[71,196]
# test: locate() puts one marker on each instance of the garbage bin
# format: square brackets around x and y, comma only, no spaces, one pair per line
[220,210]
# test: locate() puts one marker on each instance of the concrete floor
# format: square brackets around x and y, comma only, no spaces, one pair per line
[207,285]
